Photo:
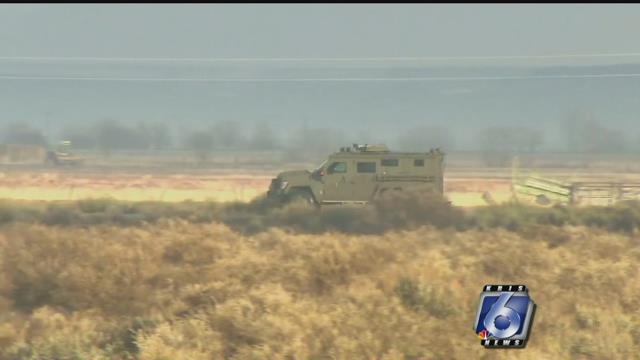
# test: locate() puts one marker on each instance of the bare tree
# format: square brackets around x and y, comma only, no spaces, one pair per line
[317,141]
[19,133]
[201,143]
[81,137]
[111,134]
[422,138]
[583,133]
[227,134]
[500,143]
[263,138]
[155,135]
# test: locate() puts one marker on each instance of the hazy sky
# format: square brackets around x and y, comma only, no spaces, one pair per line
[33,37]
[317,30]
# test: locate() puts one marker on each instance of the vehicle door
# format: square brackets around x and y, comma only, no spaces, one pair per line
[363,181]
[336,187]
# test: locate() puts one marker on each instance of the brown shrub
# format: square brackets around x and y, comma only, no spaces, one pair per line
[185,290]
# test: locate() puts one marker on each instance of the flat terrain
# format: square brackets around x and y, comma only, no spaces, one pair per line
[131,187]
[242,177]
[133,279]
[232,185]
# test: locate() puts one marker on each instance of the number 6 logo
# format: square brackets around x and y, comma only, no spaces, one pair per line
[499,309]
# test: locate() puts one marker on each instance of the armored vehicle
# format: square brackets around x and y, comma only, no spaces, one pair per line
[359,174]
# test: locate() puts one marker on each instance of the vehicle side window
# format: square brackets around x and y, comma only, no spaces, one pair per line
[418,162]
[389,162]
[337,168]
[366,167]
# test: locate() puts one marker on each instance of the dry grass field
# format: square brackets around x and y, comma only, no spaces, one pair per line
[400,280]
[128,187]
[241,185]
[163,265]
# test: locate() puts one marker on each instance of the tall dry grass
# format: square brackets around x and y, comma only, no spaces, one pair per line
[188,288]
[401,211]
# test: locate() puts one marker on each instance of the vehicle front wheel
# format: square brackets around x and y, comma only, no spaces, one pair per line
[301,195]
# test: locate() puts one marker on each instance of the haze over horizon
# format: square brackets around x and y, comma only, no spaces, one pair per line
[379,68]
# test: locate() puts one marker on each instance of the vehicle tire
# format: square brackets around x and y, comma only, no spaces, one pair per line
[301,195]
[388,192]
[385,192]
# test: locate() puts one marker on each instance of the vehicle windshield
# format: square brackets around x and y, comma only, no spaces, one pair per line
[320,167]
[317,170]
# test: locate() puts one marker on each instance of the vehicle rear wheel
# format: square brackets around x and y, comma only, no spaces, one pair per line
[388,192]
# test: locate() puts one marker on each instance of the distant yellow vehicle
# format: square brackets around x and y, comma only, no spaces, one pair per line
[62,156]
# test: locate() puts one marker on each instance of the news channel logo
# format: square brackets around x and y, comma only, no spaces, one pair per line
[504,317]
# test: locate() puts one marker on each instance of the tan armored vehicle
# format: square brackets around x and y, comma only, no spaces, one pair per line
[359,174]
